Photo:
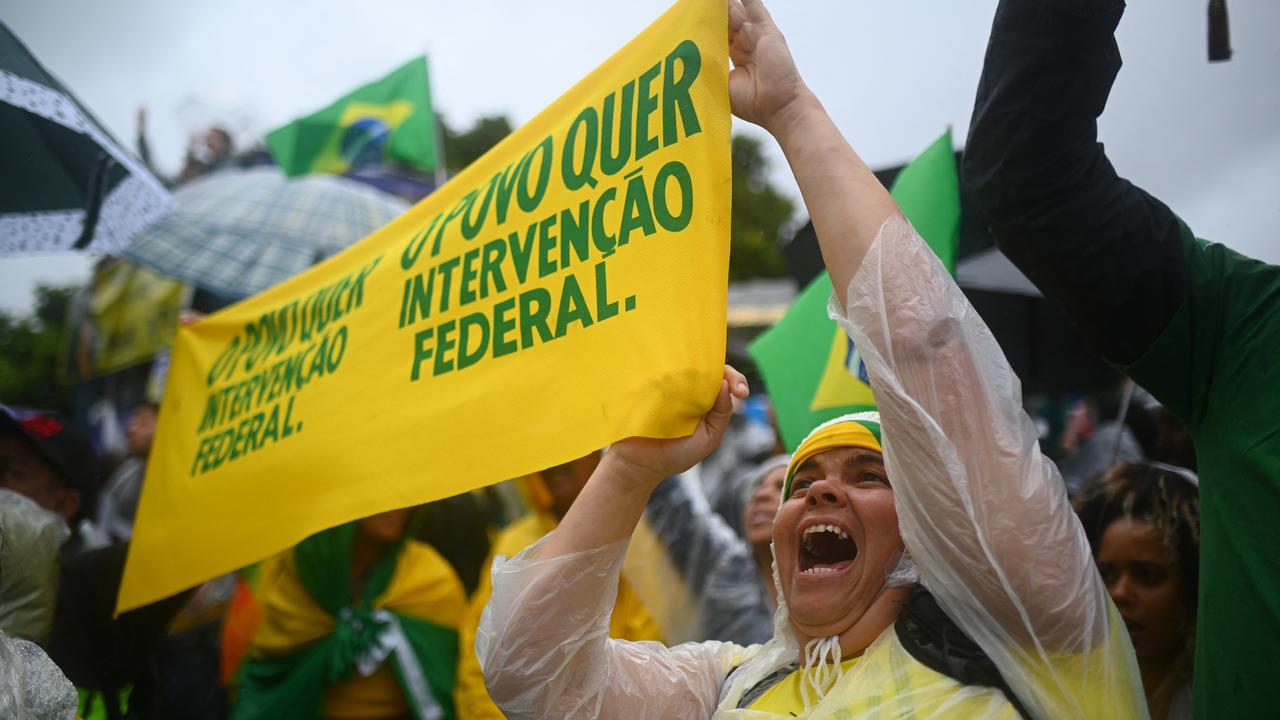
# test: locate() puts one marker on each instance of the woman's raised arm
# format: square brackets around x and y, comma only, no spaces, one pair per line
[982,512]
[544,638]
[845,200]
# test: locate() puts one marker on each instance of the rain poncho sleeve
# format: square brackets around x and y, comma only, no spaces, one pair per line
[984,515]
[630,618]
[545,648]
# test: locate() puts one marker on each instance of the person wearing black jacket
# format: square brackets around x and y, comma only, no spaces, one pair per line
[1195,323]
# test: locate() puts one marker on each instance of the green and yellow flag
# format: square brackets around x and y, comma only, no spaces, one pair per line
[566,290]
[388,119]
[811,369]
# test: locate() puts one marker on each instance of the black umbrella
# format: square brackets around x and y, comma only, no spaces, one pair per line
[65,183]
[1045,350]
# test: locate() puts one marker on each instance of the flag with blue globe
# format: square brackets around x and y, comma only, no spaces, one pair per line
[390,119]
[365,141]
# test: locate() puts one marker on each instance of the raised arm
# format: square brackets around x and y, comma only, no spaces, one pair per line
[1111,254]
[630,471]
[543,640]
[983,514]
[845,200]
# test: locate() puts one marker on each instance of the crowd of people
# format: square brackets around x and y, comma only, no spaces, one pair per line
[927,559]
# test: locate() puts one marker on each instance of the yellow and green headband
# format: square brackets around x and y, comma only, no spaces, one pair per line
[860,430]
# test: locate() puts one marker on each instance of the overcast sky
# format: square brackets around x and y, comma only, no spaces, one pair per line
[1204,138]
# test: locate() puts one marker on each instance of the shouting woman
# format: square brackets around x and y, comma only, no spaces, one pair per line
[927,559]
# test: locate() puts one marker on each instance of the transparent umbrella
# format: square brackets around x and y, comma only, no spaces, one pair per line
[238,232]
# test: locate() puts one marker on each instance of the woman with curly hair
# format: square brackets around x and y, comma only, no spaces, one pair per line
[1143,523]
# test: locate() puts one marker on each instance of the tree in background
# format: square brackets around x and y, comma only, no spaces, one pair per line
[760,213]
[32,345]
[463,147]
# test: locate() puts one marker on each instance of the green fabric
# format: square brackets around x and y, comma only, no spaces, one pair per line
[873,428]
[323,561]
[93,703]
[388,119]
[1217,366]
[292,687]
[437,651]
[792,357]
[796,354]
[928,191]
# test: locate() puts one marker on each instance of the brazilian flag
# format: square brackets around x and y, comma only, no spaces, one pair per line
[388,119]
[810,367]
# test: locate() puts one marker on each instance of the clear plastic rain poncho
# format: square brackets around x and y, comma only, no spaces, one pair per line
[31,686]
[983,514]
[30,545]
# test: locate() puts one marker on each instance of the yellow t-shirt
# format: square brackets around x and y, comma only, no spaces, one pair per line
[911,682]
[885,681]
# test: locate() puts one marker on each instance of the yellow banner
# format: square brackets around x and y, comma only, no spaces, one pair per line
[565,291]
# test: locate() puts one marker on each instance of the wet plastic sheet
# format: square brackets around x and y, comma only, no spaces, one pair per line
[722,597]
[30,542]
[31,686]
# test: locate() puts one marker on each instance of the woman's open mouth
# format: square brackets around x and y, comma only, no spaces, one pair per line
[825,549]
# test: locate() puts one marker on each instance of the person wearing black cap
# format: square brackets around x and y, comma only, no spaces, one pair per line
[46,472]
[47,478]
[43,458]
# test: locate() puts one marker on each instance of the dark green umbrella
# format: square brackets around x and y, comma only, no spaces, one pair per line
[65,183]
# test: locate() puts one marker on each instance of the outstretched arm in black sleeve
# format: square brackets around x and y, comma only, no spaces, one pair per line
[1111,254]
